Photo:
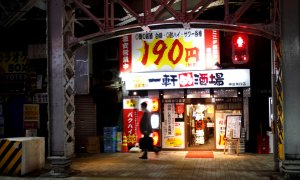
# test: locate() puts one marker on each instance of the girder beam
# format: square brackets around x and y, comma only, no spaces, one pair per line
[241,10]
[90,15]
[184,15]
[203,5]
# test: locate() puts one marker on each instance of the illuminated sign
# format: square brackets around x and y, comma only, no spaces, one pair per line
[13,65]
[170,50]
[191,79]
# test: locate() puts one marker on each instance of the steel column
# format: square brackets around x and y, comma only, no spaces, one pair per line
[60,88]
[274,69]
[291,87]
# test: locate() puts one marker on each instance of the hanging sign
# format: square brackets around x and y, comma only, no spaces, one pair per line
[170,50]
[125,54]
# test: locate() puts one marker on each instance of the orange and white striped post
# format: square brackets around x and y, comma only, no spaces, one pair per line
[124,143]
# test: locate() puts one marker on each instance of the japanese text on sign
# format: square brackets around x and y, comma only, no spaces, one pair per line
[13,65]
[169,108]
[170,50]
[125,54]
[130,125]
[193,79]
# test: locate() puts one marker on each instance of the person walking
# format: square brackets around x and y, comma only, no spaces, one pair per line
[146,130]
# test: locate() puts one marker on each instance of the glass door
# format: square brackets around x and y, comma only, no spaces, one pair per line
[201,126]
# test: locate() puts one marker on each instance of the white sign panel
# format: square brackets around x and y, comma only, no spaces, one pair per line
[170,50]
[233,122]
[188,79]
[173,134]
[169,118]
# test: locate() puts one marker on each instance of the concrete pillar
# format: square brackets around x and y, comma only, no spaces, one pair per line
[60,90]
[291,86]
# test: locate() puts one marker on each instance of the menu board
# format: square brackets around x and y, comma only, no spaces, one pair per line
[233,122]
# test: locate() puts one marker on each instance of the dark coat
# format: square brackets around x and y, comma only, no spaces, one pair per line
[145,124]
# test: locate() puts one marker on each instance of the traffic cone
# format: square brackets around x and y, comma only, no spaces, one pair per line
[124,143]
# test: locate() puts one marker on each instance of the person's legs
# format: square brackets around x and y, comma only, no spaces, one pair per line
[145,154]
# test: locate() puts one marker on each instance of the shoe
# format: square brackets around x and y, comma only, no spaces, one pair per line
[142,157]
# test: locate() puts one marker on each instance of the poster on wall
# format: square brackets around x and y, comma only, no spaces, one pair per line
[173,126]
[169,119]
[31,114]
[170,50]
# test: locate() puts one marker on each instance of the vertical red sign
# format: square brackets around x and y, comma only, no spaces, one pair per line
[125,54]
[130,125]
[212,48]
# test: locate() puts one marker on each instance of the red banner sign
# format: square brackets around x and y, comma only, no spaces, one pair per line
[130,125]
[125,54]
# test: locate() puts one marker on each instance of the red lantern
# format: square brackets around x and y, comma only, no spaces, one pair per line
[179,108]
[155,136]
[155,105]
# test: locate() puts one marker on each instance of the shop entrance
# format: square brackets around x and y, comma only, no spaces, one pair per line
[200,122]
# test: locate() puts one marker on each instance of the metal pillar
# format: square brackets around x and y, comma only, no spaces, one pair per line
[275,54]
[60,88]
[291,87]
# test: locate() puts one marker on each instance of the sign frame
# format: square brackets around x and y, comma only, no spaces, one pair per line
[233,122]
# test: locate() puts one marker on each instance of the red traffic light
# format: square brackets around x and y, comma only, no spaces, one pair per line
[239,41]
[240,49]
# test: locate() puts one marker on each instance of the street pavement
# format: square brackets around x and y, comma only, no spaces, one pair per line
[166,165]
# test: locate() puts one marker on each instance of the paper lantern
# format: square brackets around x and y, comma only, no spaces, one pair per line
[155,105]
[155,136]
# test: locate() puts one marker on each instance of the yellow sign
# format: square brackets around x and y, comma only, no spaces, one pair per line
[170,50]
[13,65]
[130,103]
[13,62]
[31,112]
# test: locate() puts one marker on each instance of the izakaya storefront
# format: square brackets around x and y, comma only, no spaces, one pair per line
[176,73]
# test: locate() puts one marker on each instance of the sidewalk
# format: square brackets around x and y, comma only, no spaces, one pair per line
[168,165]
